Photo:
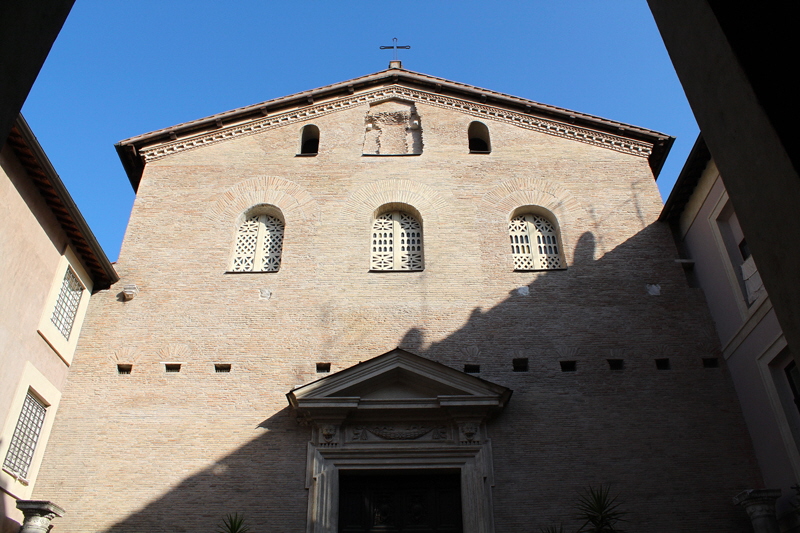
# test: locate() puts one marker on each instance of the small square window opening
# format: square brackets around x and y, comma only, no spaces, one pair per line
[568,366]
[323,368]
[662,364]
[520,364]
[124,369]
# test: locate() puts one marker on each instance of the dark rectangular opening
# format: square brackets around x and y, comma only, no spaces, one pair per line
[616,364]
[124,369]
[172,367]
[222,367]
[472,369]
[568,366]
[662,364]
[520,364]
[710,362]
[323,368]
[400,502]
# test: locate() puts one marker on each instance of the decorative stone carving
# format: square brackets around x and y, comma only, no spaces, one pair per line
[38,514]
[129,292]
[329,435]
[469,433]
[653,289]
[760,507]
[392,127]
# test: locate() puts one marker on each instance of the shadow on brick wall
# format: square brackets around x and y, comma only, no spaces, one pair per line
[672,442]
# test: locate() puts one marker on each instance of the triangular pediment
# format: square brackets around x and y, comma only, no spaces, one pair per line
[388,85]
[398,380]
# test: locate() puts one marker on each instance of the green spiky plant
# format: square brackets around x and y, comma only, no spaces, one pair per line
[599,511]
[233,523]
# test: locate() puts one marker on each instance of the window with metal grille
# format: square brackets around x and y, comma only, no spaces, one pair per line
[396,242]
[534,243]
[259,243]
[67,303]
[26,434]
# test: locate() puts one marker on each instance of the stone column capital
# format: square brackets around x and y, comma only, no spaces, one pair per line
[38,514]
[760,507]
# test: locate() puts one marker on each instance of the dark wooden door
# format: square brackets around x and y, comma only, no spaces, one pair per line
[400,503]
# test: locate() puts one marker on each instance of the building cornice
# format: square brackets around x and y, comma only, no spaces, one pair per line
[136,152]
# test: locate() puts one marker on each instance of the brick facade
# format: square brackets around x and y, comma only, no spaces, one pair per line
[155,451]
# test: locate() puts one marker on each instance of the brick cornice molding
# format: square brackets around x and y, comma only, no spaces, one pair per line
[487,112]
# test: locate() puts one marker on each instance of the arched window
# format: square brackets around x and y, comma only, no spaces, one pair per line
[396,242]
[479,142]
[259,242]
[535,243]
[309,140]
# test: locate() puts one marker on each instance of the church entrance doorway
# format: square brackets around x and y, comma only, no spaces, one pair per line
[400,502]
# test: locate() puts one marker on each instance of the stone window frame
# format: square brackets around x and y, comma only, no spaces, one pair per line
[48,328]
[265,212]
[771,365]
[31,382]
[377,244]
[525,252]
[723,210]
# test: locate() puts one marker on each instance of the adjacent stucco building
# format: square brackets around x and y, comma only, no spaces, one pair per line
[51,264]
[718,260]
[466,297]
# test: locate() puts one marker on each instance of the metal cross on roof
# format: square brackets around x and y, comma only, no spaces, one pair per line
[395,47]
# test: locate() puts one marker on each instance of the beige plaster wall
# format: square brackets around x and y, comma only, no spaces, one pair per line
[31,245]
[152,451]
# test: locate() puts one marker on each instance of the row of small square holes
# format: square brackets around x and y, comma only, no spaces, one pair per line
[172,368]
[518,365]
[521,365]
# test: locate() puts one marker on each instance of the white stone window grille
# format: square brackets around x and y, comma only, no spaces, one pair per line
[69,297]
[259,242]
[26,434]
[396,242]
[534,243]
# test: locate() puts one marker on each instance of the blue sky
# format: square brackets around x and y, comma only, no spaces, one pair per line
[119,69]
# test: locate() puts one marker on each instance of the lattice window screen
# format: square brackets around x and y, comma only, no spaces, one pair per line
[259,242]
[69,298]
[534,243]
[396,242]
[26,434]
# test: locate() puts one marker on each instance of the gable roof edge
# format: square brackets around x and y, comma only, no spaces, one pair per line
[133,162]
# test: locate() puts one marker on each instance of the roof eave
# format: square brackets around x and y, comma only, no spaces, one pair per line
[687,181]
[134,165]
[61,204]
